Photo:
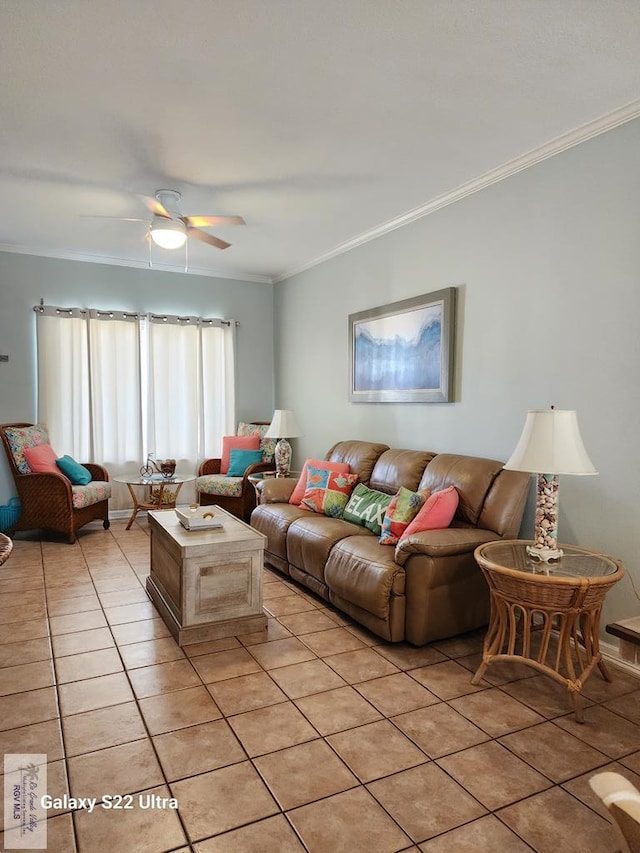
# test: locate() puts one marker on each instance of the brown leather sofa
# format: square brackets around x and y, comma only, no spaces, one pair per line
[428,586]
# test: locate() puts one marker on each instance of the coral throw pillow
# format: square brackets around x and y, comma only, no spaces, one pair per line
[327,491]
[436,514]
[41,459]
[400,513]
[237,442]
[301,485]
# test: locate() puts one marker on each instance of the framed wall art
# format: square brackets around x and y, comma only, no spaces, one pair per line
[403,352]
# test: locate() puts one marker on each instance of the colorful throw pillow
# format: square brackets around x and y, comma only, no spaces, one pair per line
[267,445]
[327,491]
[21,437]
[237,442]
[77,473]
[400,513]
[301,485]
[367,507]
[240,460]
[41,459]
[437,512]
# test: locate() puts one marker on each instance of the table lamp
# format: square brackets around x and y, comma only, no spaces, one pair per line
[283,426]
[550,445]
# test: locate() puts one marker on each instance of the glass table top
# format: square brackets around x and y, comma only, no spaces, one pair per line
[574,563]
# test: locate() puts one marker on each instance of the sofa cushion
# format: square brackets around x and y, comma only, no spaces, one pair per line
[395,468]
[311,538]
[436,514]
[21,437]
[472,477]
[96,491]
[301,485]
[367,507]
[360,456]
[240,442]
[41,459]
[219,484]
[274,521]
[327,492]
[400,513]
[361,570]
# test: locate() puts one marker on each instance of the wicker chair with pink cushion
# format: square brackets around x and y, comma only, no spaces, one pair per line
[49,499]
[236,493]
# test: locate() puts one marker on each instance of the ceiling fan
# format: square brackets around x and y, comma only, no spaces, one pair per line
[169,229]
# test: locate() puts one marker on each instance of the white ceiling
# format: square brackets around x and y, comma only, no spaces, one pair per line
[317,120]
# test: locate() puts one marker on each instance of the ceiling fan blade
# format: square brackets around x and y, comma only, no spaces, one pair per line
[118,218]
[207,238]
[206,221]
[154,206]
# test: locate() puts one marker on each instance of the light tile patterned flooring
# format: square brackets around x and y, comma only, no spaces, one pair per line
[314,735]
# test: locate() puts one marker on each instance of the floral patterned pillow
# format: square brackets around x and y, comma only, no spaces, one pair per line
[21,437]
[267,445]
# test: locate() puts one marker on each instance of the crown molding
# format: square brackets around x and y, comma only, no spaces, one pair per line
[537,155]
[120,262]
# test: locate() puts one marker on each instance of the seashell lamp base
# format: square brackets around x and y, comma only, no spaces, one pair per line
[545,546]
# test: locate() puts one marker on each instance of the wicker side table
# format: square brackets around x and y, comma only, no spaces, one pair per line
[531,601]
[6,547]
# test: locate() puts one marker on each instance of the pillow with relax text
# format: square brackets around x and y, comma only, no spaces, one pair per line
[400,513]
[367,507]
[327,491]
[301,485]
[437,512]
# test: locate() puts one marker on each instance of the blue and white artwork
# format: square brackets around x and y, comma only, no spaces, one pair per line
[400,352]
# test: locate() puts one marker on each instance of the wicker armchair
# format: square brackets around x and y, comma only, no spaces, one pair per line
[49,501]
[235,494]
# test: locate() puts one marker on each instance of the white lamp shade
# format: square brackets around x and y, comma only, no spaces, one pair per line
[168,233]
[283,425]
[551,444]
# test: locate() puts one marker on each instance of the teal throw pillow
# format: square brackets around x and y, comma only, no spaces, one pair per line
[77,473]
[240,460]
[367,507]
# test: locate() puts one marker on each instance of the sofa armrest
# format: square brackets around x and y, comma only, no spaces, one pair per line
[98,472]
[209,466]
[276,490]
[443,543]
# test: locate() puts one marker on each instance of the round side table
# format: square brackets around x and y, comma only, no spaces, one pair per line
[531,599]
[159,493]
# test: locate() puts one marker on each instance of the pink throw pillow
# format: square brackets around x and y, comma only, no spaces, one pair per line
[436,514]
[237,442]
[41,459]
[301,485]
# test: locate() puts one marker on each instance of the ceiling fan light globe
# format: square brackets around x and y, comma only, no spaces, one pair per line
[168,233]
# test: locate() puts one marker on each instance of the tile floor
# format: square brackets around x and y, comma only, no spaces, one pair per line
[313,735]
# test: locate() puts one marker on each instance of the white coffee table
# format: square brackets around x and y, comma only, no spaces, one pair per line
[206,584]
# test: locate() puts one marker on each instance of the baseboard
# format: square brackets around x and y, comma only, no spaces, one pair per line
[611,652]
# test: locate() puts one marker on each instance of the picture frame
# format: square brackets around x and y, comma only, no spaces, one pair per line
[403,352]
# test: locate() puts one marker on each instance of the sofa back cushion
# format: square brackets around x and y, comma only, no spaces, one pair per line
[504,506]
[471,476]
[360,456]
[395,468]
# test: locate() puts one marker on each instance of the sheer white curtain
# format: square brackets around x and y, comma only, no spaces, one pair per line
[64,396]
[114,386]
[116,423]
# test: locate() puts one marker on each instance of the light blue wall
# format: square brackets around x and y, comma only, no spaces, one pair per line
[547,264]
[25,279]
